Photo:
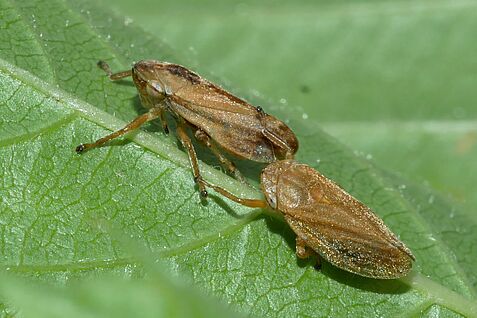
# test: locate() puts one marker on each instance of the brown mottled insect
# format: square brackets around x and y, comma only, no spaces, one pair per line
[330,221]
[216,117]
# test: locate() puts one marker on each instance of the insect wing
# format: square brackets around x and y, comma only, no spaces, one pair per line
[230,121]
[337,226]
[231,125]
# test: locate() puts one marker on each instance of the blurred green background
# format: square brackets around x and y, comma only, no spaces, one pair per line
[394,80]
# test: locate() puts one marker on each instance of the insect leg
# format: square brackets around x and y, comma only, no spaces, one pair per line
[253,203]
[136,123]
[187,144]
[201,136]
[303,251]
[165,128]
[116,76]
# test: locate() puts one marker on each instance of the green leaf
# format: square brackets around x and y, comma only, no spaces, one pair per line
[55,203]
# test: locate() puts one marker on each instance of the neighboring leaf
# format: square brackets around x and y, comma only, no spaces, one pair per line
[55,202]
[340,60]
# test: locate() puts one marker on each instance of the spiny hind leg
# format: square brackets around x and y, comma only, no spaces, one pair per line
[116,76]
[187,144]
[136,123]
[304,252]
[201,136]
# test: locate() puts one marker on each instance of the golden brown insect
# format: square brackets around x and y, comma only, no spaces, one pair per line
[216,117]
[330,221]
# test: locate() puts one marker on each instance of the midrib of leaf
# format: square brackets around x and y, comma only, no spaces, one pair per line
[70,267]
[436,292]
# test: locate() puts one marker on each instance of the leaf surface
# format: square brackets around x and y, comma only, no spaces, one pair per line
[55,203]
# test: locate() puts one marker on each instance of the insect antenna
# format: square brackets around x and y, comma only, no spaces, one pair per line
[116,76]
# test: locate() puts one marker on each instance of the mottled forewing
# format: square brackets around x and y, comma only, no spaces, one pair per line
[338,227]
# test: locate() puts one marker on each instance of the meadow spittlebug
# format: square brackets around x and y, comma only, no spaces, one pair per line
[218,119]
[329,221]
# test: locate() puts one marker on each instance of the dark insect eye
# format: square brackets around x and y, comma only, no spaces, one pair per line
[272,201]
